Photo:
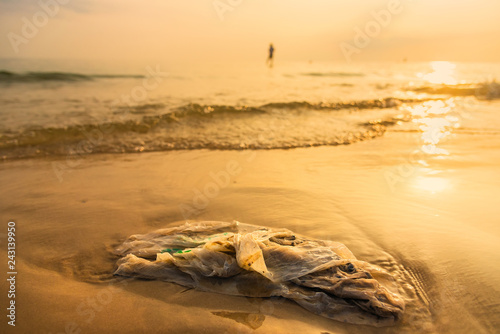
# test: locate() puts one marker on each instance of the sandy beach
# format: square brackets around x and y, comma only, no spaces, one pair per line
[435,228]
[229,166]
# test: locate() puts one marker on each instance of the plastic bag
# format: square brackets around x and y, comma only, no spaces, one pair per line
[245,260]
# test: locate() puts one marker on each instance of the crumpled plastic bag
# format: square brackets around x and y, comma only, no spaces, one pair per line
[239,259]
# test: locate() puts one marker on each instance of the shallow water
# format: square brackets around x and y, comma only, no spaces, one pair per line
[47,113]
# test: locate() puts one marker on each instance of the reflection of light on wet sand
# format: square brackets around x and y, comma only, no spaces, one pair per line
[434,123]
[431,183]
[443,73]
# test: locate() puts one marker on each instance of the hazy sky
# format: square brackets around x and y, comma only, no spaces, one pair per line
[198,30]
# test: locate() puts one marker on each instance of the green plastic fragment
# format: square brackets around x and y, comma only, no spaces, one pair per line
[174,250]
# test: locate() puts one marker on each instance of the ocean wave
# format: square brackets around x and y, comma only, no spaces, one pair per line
[71,143]
[389,102]
[486,90]
[221,127]
[139,108]
[199,110]
[333,74]
[12,77]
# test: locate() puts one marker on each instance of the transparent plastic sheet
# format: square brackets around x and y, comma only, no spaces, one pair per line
[239,259]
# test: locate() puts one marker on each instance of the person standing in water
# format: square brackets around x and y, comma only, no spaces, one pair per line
[270,59]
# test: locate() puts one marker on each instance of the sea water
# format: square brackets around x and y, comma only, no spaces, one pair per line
[64,108]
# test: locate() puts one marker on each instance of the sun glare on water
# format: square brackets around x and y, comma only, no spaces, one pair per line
[443,72]
[435,123]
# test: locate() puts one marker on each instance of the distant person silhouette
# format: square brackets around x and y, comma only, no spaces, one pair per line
[271,52]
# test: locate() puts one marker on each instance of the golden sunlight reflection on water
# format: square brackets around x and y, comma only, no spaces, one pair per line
[435,122]
[443,72]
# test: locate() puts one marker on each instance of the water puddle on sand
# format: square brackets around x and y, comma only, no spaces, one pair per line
[252,320]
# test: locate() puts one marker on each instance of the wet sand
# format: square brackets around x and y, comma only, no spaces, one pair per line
[432,221]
